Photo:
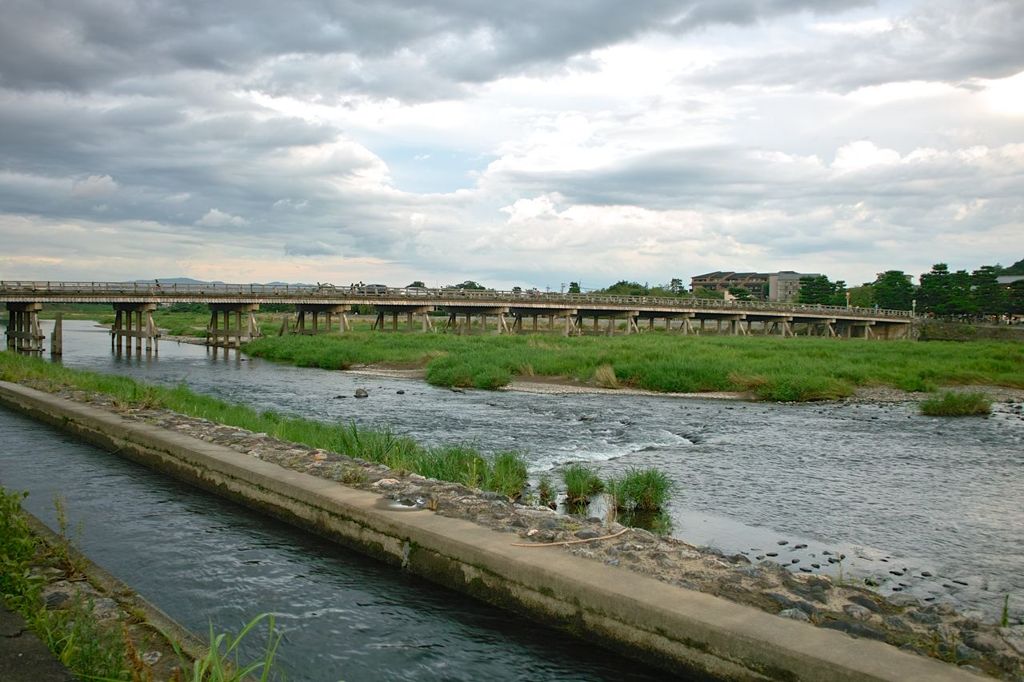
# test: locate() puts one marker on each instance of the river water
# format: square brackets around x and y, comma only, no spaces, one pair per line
[205,561]
[887,487]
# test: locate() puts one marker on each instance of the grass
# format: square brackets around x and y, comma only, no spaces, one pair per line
[92,649]
[957,405]
[459,463]
[545,490]
[640,490]
[793,369]
[581,483]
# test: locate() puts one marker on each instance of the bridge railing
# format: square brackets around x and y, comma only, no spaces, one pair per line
[383,294]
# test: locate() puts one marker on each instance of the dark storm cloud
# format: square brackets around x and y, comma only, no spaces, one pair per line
[391,48]
[949,42]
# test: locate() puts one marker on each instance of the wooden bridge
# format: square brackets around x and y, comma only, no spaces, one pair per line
[318,308]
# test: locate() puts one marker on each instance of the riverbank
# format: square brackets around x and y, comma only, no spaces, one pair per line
[930,629]
[784,370]
[92,623]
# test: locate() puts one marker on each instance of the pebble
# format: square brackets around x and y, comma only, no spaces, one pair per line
[783,542]
[400,392]
[771,554]
[857,612]
[361,393]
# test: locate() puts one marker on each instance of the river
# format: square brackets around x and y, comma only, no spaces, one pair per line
[889,488]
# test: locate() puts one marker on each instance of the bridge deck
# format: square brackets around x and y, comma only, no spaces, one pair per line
[522,302]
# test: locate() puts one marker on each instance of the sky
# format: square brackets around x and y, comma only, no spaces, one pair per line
[528,143]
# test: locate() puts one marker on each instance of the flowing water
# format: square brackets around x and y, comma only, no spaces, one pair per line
[894,491]
[203,560]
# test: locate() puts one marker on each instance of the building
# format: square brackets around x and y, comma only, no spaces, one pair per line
[784,286]
[763,286]
[754,282]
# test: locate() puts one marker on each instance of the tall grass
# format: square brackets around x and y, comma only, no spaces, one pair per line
[793,369]
[581,483]
[457,463]
[957,405]
[640,490]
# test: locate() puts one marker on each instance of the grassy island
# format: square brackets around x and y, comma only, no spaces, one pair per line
[794,369]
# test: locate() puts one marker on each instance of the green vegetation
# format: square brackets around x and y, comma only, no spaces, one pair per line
[221,663]
[88,647]
[545,490]
[957,405]
[581,483]
[820,291]
[640,490]
[794,369]
[457,463]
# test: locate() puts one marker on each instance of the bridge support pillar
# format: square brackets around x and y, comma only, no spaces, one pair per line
[57,336]
[134,321]
[233,336]
[24,334]
[315,312]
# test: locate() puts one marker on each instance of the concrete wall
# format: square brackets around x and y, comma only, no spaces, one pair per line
[684,632]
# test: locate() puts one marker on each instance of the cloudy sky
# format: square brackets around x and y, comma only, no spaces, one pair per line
[529,142]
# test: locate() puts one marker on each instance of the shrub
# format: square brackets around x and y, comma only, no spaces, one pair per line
[957,405]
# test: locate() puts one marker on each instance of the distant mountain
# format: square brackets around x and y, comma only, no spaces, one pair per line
[1015,269]
[176,280]
[189,280]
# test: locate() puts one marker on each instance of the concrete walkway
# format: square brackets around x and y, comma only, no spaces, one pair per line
[23,656]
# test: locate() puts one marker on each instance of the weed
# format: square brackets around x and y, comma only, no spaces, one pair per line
[640,490]
[1004,621]
[581,483]
[604,376]
[545,490]
[508,474]
[957,405]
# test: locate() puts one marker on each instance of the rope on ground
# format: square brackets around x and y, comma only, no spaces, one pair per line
[568,542]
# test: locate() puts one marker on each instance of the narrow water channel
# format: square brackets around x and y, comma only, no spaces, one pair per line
[889,488]
[203,560]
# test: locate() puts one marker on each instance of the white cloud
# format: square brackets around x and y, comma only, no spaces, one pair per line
[94,186]
[218,218]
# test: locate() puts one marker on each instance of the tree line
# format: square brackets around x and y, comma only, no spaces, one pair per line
[941,293]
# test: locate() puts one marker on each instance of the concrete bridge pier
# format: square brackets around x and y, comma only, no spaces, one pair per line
[134,321]
[314,312]
[227,335]
[24,334]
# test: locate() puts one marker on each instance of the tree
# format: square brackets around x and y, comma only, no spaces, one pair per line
[417,284]
[862,296]
[935,294]
[819,291]
[1015,297]
[676,286]
[893,290]
[626,288]
[740,293]
[988,295]
[574,287]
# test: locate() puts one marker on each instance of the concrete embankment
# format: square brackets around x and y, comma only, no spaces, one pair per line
[680,630]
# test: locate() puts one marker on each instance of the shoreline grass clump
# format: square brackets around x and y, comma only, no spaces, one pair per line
[951,404]
[640,490]
[458,463]
[581,484]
